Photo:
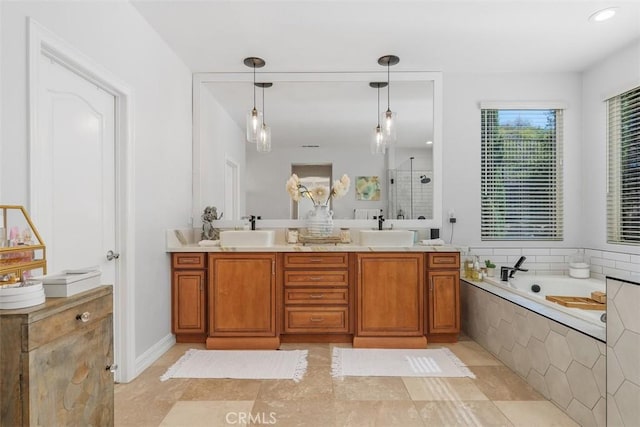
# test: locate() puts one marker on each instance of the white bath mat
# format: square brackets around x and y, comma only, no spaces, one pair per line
[240,364]
[360,362]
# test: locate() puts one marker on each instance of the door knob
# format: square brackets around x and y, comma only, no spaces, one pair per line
[112,255]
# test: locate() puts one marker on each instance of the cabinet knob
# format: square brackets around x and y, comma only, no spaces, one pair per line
[84,317]
[112,368]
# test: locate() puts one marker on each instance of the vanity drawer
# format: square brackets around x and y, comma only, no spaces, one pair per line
[443,260]
[316,278]
[316,296]
[188,260]
[316,260]
[316,320]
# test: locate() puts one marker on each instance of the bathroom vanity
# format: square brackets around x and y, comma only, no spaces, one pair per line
[239,298]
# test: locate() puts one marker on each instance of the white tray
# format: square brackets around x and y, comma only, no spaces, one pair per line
[21,296]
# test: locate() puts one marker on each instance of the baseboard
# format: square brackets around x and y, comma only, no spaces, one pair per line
[147,358]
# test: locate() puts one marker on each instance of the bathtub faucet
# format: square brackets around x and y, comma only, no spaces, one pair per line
[507,273]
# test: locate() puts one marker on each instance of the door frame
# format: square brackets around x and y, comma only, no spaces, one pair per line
[42,41]
[235,186]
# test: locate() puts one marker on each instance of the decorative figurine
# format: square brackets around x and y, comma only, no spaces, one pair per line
[208,231]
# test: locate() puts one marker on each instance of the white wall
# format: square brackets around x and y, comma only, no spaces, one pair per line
[612,76]
[220,139]
[114,35]
[461,155]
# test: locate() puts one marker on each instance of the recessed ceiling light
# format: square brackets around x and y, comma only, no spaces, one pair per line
[603,15]
[429,142]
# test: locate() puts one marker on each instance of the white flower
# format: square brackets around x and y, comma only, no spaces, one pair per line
[293,187]
[319,194]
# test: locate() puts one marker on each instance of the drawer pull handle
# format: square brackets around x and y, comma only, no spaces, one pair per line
[112,368]
[84,317]
[316,319]
[316,296]
[316,278]
[315,260]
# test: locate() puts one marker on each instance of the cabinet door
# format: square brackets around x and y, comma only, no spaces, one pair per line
[68,382]
[188,301]
[242,295]
[444,301]
[390,294]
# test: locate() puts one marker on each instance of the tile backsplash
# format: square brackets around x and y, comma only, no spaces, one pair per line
[555,261]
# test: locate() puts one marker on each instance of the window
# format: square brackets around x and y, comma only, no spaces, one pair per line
[521,184]
[623,193]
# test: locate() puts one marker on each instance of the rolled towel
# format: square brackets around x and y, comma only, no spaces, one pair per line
[209,242]
[432,242]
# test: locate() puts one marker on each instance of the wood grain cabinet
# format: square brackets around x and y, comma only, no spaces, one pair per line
[316,293]
[390,300]
[243,300]
[56,360]
[188,297]
[443,296]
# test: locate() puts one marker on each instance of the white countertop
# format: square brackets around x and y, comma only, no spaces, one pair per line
[173,244]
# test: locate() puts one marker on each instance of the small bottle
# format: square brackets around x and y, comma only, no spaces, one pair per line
[476,269]
[400,214]
[345,235]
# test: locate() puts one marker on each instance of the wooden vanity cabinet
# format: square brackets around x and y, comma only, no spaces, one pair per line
[56,360]
[243,295]
[443,296]
[390,300]
[188,297]
[316,295]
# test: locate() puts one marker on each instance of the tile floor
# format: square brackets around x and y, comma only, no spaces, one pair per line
[496,397]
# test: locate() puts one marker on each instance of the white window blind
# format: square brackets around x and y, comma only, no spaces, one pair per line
[521,183]
[623,195]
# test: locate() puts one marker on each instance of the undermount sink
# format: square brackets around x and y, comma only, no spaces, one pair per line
[252,238]
[386,237]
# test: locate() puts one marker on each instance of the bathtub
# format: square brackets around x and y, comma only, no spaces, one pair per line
[519,291]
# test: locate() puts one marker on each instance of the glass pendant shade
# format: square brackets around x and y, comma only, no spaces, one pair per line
[264,139]
[377,142]
[389,124]
[254,125]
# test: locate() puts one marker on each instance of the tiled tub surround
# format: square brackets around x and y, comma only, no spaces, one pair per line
[623,353]
[554,261]
[564,365]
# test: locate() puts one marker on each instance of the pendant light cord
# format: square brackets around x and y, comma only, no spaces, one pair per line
[388,87]
[378,112]
[254,85]
[264,123]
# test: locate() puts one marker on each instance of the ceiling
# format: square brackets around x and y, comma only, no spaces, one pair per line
[533,36]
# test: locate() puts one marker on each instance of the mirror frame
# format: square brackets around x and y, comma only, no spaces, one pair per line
[435,77]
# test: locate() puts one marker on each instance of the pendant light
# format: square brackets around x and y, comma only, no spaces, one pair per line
[264,136]
[254,117]
[389,118]
[377,142]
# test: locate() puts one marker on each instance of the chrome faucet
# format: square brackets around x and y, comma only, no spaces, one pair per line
[507,273]
[380,221]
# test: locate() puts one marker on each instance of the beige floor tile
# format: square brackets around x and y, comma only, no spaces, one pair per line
[542,413]
[466,413]
[315,385]
[287,413]
[207,414]
[175,353]
[370,388]
[472,354]
[443,389]
[377,413]
[221,389]
[501,383]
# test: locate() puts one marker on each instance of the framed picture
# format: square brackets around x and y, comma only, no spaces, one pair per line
[367,188]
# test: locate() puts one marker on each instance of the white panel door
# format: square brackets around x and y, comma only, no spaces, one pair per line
[74,198]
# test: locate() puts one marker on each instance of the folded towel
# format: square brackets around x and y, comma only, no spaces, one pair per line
[209,242]
[432,242]
[360,213]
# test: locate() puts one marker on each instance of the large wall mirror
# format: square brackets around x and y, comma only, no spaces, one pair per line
[323,119]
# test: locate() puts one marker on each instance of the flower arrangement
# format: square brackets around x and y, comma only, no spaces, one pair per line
[319,195]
